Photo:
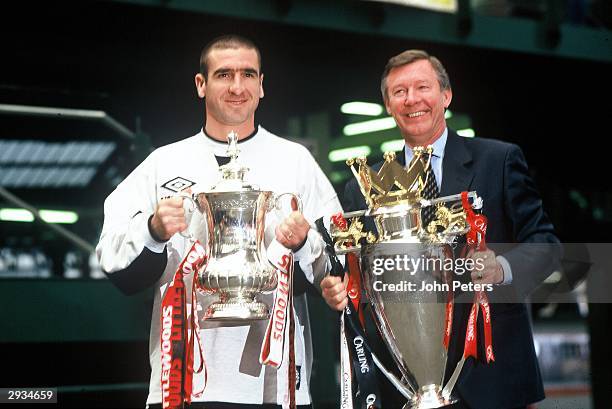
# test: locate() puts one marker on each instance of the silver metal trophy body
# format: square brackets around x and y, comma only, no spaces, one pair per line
[238,269]
[409,299]
[410,319]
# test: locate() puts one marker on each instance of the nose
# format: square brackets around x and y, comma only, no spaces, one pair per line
[411,97]
[236,87]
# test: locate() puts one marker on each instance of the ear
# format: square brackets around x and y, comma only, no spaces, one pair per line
[261,90]
[447,96]
[200,84]
[386,101]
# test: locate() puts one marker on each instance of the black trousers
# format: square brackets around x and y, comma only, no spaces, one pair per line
[222,405]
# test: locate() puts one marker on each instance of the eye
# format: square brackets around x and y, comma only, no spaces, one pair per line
[424,87]
[399,93]
[249,75]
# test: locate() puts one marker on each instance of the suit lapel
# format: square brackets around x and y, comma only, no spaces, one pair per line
[457,173]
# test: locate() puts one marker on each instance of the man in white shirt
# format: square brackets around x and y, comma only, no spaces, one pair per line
[140,245]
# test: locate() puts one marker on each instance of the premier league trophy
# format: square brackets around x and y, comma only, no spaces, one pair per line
[414,324]
[238,269]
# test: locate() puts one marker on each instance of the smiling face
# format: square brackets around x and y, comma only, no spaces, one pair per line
[416,102]
[232,90]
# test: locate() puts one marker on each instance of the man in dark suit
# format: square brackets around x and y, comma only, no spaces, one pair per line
[416,91]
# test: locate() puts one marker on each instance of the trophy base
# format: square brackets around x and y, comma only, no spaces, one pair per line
[237,309]
[430,397]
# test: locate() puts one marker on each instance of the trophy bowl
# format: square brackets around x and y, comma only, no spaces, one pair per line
[409,302]
[237,269]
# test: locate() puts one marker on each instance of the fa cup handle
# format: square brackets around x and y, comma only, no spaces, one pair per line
[276,203]
[190,205]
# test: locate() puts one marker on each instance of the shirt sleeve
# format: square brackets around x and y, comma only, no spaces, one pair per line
[130,257]
[319,200]
[506,269]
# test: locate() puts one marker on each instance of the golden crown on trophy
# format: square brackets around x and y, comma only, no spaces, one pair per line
[392,184]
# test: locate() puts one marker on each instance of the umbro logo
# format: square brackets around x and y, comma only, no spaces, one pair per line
[178,184]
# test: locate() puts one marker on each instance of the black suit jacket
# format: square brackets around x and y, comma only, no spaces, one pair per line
[498,172]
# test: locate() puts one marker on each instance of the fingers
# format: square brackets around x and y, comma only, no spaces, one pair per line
[169,218]
[171,206]
[334,292]
[283,236]
[342,305]
[334,282]
[477,276]
[479,271]
[296,220]
[487,269]
[292,232]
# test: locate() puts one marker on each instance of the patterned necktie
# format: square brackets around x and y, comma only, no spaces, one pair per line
[429,192]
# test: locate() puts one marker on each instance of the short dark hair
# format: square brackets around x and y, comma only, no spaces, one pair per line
[224,42]
[411,56]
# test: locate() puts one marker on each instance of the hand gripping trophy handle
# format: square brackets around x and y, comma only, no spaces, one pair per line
[190,204]
[275,250]
[276,201]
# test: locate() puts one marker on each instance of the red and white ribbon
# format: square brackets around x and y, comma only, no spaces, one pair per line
[480,300]
[282,320]
[469,348]
[177,337]
[448,320]
[483,301]
[272,348]
[476,238]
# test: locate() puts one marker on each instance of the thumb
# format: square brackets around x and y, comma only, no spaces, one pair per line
[294,204]
[345,282]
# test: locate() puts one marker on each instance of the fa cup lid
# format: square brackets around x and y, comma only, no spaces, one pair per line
[233,172]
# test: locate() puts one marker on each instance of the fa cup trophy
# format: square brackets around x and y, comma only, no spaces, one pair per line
[238,269]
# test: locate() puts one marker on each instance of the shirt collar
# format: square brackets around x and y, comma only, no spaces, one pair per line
[438,147]
[251,135]
[220,148]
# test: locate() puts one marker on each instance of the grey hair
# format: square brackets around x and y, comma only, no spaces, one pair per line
[411,56]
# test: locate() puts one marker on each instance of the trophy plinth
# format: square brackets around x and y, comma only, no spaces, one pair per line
[430,397]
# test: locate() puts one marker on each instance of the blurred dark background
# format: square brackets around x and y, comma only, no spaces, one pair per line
[535,73]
